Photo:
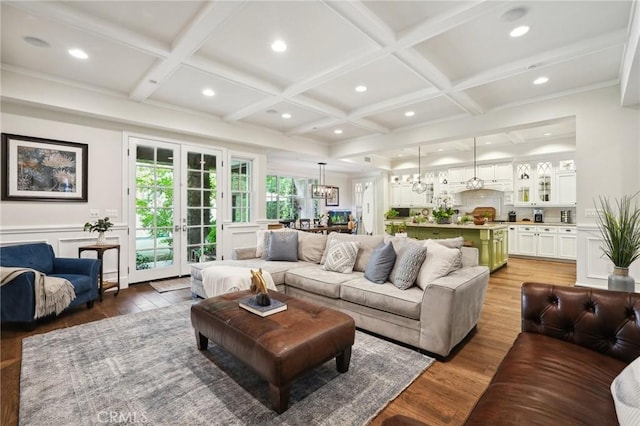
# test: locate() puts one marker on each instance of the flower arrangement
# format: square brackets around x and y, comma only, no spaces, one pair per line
[100,225]
[443,209]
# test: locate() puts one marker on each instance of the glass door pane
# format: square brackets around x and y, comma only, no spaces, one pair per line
[201,206]
[154,186]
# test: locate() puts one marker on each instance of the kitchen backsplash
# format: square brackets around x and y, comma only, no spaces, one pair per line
[495,199]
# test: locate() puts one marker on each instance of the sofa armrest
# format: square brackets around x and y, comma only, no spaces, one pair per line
[243,253]
[451,308]
[68,265]
[602,320]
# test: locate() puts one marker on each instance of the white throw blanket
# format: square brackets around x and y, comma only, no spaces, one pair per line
[52,294]
[220,279]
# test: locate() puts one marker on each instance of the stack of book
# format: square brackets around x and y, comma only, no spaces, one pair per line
[249,303]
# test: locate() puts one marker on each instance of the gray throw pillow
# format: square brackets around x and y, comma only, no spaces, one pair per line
[283,246]
[380,264]
[407,266]
[267,240]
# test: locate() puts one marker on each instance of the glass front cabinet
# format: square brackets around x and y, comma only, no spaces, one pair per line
[540,183]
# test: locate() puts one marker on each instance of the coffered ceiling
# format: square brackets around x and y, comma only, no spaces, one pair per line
[420,61]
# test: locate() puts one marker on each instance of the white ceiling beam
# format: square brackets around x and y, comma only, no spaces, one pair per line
[398,102]
[261,105]
[550,57]
[369,125]
[58,12]
[316,125]
[362,18]
[630,69]
[190,39]
[466,12]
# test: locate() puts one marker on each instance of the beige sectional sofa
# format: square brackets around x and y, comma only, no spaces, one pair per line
[434,318]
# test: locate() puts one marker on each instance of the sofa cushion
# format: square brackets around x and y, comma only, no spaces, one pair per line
[80,283]
[341,256]
[408,263]
[311,246]
[385,297]
[440,261]
[450,242]
[283,246]
[547,381]
[38,256]
[380,264]
[367,244]
[316,280]
[625,390]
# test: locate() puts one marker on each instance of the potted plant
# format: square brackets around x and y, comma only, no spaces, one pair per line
[101,226]
[391,213]
[401,230]
[444,207]
[620,229]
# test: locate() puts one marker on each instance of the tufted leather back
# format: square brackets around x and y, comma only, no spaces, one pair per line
[604,321]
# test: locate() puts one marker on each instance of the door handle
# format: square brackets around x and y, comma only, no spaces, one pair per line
[184,228]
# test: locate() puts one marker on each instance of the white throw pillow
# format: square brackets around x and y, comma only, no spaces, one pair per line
[625,390]
[341,256]
[440,261]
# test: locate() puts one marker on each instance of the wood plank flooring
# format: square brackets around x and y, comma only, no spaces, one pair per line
[442,395]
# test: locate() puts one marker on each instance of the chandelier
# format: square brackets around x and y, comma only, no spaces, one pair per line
[419,187]
[475,182]
[320,190]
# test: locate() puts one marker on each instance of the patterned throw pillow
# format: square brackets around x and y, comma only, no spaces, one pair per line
[408,263]
[380,264]
[341,256]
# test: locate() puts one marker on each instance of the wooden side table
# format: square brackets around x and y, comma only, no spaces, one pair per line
[100,249]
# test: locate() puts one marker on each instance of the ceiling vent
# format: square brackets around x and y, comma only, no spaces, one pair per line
[367,159]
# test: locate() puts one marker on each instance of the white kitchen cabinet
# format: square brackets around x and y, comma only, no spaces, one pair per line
[547,244]
[460,175]
[543,241]
[527,241]
[567,242]
[513,239]
[401,195]
[496,172]
[566,187]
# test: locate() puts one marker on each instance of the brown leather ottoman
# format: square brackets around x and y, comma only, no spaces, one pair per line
[279,347]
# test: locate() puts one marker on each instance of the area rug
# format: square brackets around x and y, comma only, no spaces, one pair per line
[171,284]
[145,368]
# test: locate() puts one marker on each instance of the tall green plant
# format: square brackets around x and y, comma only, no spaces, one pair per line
[620,229]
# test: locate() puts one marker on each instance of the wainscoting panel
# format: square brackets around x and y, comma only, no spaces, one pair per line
[593,268]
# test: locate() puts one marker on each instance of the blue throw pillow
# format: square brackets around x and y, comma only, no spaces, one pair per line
[283,246]
[380,264]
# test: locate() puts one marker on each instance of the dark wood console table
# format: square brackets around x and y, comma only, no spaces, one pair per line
[100,249]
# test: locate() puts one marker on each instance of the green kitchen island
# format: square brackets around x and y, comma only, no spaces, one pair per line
[490,239]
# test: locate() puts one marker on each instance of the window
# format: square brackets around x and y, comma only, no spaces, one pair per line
[288,198]
[240,190]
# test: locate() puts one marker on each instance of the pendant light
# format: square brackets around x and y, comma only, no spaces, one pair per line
[419,187]
[320,190]
[475,182]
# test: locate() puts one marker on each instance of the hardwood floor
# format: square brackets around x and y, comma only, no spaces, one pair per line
[442,395]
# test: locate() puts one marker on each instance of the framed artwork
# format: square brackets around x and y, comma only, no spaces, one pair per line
[37,169]
[333,198]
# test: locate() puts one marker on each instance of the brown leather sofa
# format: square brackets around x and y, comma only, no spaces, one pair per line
[574,342]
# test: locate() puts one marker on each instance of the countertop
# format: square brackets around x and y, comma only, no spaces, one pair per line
[520,222]
[492,226]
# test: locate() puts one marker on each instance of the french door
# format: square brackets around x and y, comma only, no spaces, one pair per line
[173,199]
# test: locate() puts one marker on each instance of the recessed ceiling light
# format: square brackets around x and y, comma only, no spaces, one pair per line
[35,41]
[338,131]
[361,89]
[540,80]
[208,92]
[279,46]
[409,114]
[519,31]
[547,134]
[286,115]
[440,149]
[78,53]
[488,143]
[513,14]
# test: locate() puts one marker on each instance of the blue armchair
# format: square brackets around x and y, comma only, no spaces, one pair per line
[17,298]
